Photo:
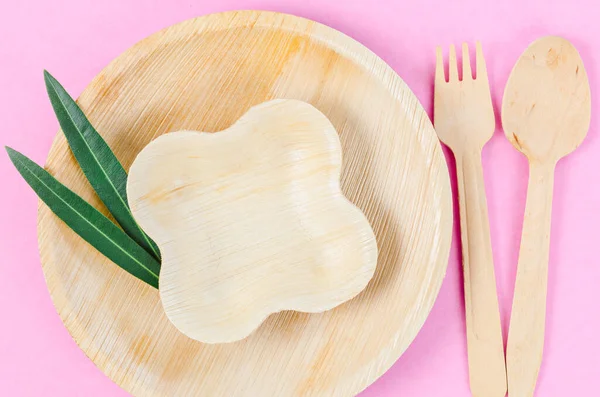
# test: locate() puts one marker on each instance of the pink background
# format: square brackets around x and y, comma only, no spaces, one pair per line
[75,39]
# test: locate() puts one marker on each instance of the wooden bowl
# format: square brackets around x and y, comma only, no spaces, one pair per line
[203,74]
[251,221]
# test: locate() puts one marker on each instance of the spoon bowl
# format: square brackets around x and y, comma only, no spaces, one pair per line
[546,106]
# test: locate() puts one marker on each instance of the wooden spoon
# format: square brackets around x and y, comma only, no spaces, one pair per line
[545,114]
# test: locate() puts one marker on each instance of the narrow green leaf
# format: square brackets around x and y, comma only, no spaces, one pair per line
[99,164]
[87,221]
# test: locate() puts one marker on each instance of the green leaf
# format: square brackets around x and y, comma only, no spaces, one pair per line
[99,164]
[87,221]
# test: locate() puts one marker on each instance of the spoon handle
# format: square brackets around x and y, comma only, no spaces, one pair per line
[527,322]
[487,369]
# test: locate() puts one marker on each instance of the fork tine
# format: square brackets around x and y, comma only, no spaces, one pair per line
[452,65]
[440,76]
[480,63]
[466,61]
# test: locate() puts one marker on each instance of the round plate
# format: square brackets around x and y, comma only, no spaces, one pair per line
[203,74]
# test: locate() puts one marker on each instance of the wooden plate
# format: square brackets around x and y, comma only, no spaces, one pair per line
[203,74]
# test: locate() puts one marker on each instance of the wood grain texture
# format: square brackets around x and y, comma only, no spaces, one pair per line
[464,120]
[546,113]
[251,221]
[204,74]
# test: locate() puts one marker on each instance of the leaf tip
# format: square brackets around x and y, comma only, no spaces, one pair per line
[53,87]
[47,75]
[10,151]
[14,156]
[49,80]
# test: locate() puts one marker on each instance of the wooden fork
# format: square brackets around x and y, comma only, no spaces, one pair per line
[464,121]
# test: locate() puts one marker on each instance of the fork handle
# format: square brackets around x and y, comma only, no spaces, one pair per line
[527,322]
[487,369]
